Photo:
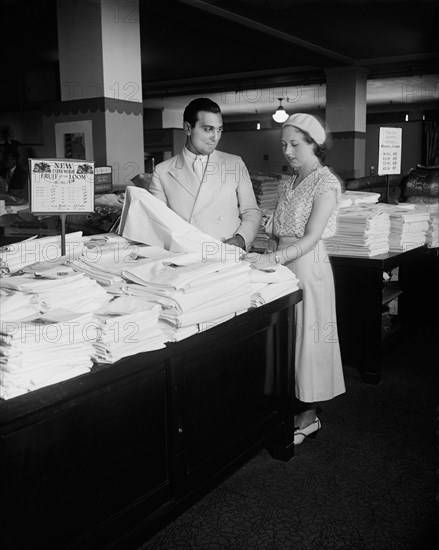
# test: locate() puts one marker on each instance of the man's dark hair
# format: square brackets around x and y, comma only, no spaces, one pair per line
[190,114]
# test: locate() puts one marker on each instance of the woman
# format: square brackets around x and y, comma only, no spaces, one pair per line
[305,215]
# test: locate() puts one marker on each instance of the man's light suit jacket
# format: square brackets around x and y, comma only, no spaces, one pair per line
[223,205]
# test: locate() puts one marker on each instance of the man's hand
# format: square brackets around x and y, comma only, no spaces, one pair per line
[237,240]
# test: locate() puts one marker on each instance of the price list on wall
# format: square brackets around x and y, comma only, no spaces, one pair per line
[389,157]
[61,186]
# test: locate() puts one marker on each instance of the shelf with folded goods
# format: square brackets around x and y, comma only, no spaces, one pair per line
[391,326]
[391,290]
[391,323]
[370,312]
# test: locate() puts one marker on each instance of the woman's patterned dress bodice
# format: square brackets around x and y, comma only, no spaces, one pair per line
[295,205]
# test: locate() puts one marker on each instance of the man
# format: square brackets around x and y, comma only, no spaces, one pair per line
[208,188]
[15,177]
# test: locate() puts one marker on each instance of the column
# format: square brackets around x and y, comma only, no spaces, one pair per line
[346,120]
[101,82]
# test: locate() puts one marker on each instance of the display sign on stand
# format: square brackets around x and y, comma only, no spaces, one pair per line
[61,187]
[389,153]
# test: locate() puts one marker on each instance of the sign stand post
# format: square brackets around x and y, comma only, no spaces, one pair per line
[63,233]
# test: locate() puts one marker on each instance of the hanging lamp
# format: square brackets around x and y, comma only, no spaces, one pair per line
[280,115]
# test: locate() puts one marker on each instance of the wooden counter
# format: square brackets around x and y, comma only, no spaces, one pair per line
[361,293]
[103,460]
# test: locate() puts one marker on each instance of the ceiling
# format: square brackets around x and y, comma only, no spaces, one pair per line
[247,53]
[399,92]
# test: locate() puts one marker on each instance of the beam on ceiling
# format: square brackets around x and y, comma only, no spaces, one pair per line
[289,76]
[400,58]
[270,31]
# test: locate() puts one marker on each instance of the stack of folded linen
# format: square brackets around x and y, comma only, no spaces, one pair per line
[59,286]
[106,263]
[102,239]
[262,238]
[177,334]
[219,320]
[192,292]
[266,189]
[432,237]
[408,226]
[351,198]
[99,272]
[103,258]
[270,285]
[127,325]
[16,306]
[362,230]
[35,354]
[14,257]
[408,230]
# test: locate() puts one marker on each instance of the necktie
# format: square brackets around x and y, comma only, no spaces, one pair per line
[198,168]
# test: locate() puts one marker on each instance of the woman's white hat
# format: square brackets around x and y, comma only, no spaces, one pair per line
[309,124]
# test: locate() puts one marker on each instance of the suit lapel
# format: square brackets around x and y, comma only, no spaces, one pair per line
[211,183]
[183,175]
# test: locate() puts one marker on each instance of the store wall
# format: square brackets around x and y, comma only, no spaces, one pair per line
[260,149]
[262,153]
[172,119]
[27,128]
[51,118]
[26,125]
[35,130]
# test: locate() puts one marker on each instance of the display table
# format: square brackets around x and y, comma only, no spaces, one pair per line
[361,294]
[103,460]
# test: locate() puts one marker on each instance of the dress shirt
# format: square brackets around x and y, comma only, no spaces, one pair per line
[198,163]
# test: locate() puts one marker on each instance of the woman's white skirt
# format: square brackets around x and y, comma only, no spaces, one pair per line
[319,371]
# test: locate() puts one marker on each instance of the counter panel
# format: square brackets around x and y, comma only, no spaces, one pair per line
[103,460]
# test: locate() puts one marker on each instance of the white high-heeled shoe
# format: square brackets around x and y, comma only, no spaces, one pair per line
[310,431]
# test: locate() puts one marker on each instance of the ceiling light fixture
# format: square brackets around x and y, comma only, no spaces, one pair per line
[280,115]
